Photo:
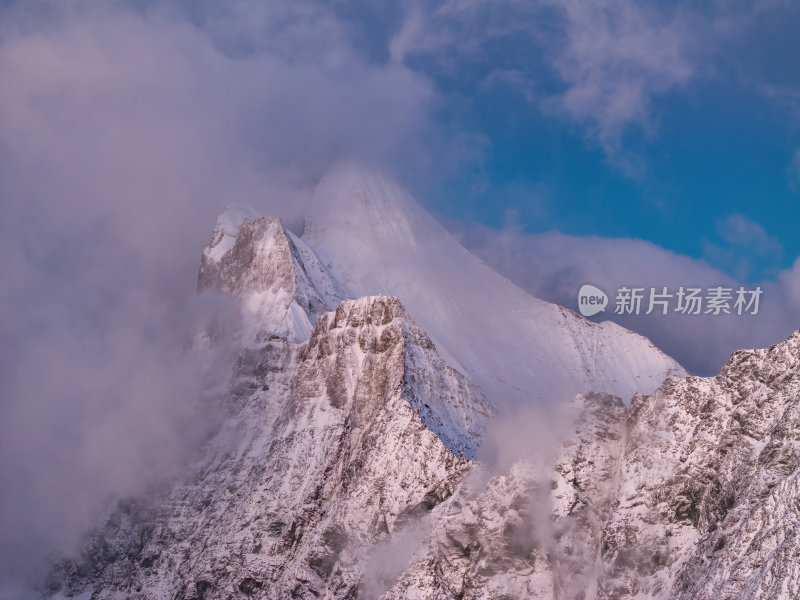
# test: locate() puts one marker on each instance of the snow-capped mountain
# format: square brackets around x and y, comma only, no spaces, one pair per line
[280,285]
[341,441]
[692,493]
[377,239]
[365,235]
[356,460]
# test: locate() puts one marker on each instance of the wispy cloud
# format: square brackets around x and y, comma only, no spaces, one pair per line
[611,59]
[553,266]
[742,246]
[615,58]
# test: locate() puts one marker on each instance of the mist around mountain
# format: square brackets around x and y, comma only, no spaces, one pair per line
[402,422]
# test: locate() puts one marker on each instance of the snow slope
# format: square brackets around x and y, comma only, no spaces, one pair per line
[346,469]
[334,445]
[377,239]
[691,494]
[277,281]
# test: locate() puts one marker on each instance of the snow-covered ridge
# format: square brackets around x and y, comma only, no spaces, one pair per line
[340,443]
[364,236]
[279,284]
[691,494]
[711,476]
[348,431]
[378,240]
[283,290]
[448,403]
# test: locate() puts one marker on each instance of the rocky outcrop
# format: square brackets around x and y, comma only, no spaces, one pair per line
[355,463]
[279,284]
[708,507]
[345,440]
[690,494]
[533,531]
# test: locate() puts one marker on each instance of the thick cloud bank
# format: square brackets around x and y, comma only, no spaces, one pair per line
[553,266]
[123,133]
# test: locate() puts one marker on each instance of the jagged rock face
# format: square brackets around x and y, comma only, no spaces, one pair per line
[533,531]
[349,467]
[448,404]
[708,507]
[281,288]
[345,440]
[693,493]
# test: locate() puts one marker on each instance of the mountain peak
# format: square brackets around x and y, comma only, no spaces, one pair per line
[379,240]
[226,229]
[280,286]
[448,403]
[354,198]
[354,441]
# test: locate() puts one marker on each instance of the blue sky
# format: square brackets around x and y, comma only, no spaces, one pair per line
[711,138]
[719,153]
[579,128]
[674,122]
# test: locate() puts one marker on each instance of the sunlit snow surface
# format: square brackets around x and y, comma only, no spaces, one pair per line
[345,469]
[376,239]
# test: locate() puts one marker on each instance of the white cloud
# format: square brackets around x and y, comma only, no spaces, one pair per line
[612,58]
[616,57]
[742,247]
[553,266]
[124,131]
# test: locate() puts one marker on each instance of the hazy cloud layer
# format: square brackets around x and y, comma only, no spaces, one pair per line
[616,57]
[742,245]
[553,266]
[125,128]
[123,133]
